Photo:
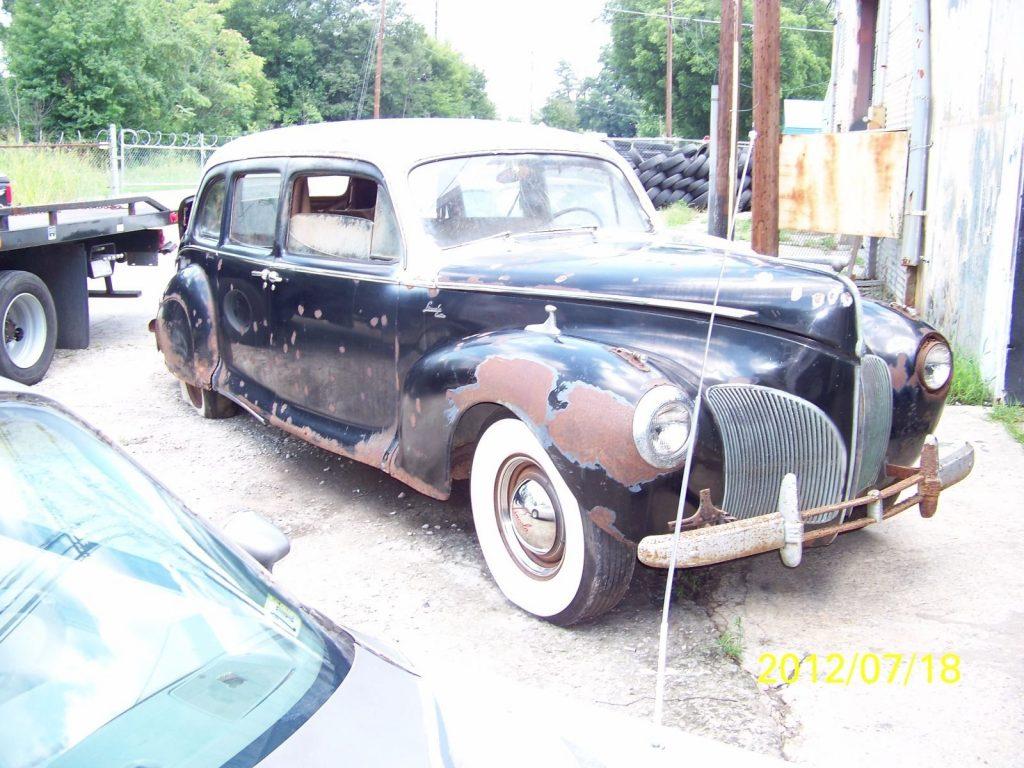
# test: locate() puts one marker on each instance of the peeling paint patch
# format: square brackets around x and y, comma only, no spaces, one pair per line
[604,519]
[374,321]
[524,384]
[301,310]
[797,293]
[318,313]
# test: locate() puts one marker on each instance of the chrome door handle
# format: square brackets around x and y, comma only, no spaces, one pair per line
[267,275]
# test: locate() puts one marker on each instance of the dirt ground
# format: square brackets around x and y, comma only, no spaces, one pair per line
[380,557]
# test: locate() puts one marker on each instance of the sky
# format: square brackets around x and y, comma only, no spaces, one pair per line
[518,43]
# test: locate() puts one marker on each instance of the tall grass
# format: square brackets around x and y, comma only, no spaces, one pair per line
[968,387]
[43,175]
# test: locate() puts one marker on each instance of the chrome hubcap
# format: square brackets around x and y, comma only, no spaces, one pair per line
[529,517]
[25,330]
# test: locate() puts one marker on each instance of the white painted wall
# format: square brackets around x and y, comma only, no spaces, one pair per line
[974,175]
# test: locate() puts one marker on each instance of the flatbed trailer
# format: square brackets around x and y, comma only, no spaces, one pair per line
[47,254]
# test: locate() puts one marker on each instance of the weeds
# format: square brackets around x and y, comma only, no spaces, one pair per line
[730,641]
[42,175]
[968,387]
[1011,416]
[679,214]
[692,583]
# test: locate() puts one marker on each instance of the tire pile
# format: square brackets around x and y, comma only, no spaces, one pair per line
[671,173]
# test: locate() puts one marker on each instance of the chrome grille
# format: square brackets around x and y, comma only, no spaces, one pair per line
[767,434]
[875,422]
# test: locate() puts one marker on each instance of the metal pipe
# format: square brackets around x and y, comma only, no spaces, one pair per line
[920,136]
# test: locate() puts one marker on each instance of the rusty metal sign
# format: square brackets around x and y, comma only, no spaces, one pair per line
[844,183]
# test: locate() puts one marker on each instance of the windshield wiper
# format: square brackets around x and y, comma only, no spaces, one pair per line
[556,230]
[505,233]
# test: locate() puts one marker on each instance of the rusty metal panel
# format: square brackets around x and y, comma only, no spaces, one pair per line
[846,183]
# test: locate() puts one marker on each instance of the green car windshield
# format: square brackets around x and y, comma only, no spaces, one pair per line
[129,635]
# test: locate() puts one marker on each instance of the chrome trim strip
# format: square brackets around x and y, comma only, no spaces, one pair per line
[688,306]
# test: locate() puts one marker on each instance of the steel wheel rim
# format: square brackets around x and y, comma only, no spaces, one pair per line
[529,517]
[24,330]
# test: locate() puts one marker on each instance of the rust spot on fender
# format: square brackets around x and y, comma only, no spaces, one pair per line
[596,429]
[514,382]
[604,519]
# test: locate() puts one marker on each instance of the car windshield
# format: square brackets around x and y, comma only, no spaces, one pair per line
[129,634]
[464,199]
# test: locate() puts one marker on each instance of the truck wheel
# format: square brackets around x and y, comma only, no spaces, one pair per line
[29,323]
[547,556]
[207,403]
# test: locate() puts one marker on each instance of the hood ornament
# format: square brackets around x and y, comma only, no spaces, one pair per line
[549,326]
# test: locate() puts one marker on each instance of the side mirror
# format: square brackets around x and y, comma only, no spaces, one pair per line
[184,214]
[259,537]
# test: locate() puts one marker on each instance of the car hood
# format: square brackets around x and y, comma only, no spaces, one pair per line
[661,272]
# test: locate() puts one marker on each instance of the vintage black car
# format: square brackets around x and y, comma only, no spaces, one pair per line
[468,299]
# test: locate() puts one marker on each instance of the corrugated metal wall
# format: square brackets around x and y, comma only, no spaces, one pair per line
[891,86]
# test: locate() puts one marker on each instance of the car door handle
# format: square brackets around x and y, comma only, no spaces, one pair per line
[267,275]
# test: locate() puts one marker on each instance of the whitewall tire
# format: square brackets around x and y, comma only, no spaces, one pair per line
[546,556]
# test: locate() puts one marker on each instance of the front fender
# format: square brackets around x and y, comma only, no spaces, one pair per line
[186,331]
[577,396]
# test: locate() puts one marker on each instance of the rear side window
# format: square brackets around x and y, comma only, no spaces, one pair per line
[210,211]
[342,217]
[254,210]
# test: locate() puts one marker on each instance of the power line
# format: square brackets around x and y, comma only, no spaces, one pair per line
[716,22]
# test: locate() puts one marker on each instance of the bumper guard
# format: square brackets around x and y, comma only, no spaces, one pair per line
[711,535]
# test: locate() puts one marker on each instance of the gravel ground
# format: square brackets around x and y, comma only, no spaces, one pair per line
[382,558]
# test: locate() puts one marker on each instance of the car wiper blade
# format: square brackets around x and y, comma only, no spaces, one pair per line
[496,235]
[555,230]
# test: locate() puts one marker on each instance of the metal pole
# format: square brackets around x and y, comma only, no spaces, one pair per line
[668,71]
[723,145]
[917,159]
[115,186]
[716,221]
[380,61]
[767,94]
[734,112]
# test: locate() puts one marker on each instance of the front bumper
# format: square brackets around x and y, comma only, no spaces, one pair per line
[711,536]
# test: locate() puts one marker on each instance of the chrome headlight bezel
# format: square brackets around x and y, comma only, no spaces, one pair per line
[657,403]
[932,347]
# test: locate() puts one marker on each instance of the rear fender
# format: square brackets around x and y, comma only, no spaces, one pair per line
[186,331]
[577,396]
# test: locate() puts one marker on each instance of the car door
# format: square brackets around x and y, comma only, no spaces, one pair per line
[245,280]
[335,321]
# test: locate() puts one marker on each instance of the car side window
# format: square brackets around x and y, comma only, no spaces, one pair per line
[211,210]
[341,217]
[254,210]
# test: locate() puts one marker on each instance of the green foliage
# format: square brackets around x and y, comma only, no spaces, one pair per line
[1011,416]
[319,54]
[170,63]
[730,640]
[679,214]
[968,387]
[637,55]
[221,66]
[52,175]
[600,104]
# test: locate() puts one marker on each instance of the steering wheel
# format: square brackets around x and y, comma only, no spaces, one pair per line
[576,208]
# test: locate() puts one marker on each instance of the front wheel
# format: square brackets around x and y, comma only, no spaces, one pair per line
[546,556]
[29,322]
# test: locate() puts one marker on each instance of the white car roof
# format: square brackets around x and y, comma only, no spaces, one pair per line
[400,144]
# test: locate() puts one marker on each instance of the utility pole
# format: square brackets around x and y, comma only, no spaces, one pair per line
[767,94]
[724,128]
[668,71]
[380,61]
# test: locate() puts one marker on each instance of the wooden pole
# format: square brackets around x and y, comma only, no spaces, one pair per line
[725,141]
[767,95]
[380,61]
[668,71]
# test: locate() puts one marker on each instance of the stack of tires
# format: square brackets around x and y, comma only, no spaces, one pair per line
[672,173]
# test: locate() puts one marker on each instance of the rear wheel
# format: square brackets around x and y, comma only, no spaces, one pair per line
[29,323]
[207,403]
[546,556]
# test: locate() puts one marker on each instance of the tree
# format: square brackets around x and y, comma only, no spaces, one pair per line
[637,56]
[559,111]
[608,106]
[166,63]
[319,54]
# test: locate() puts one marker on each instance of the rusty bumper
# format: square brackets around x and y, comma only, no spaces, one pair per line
[710,535]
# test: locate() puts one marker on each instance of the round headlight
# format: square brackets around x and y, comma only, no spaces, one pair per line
[935,364]
[662,425]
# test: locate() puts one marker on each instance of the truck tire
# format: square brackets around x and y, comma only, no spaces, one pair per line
[546,555]
[207,403]
[29,322]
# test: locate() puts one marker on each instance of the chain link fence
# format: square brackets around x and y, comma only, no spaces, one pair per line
[111,162]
